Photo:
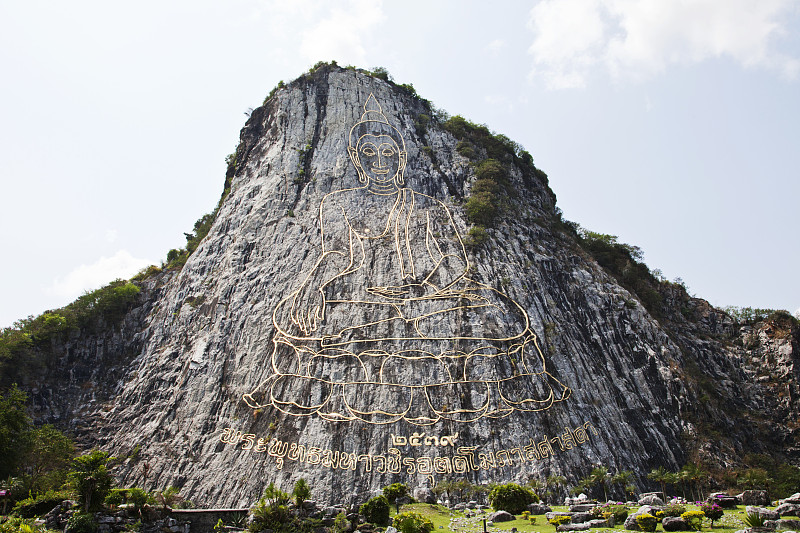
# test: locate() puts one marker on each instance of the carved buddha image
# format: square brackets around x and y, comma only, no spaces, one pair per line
[388,326]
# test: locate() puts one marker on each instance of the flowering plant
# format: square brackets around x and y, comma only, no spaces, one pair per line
[694,519]
[712,511]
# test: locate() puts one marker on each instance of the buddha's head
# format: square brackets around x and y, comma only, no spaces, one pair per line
[377,149]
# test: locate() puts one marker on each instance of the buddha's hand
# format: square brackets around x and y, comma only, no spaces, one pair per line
[308,309]
[411,291]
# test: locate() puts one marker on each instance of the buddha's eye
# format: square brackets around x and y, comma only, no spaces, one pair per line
[368,151]
[387,152]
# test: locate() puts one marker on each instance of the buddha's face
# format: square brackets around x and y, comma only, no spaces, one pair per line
[379,157]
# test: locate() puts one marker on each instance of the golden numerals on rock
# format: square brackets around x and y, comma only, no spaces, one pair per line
[419,439]
[466,458]
[387,325]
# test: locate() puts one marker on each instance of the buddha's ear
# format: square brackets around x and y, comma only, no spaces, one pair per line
[353,153]
[403,160]
[353,156]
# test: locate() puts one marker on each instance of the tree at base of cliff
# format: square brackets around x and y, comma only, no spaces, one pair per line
[511,497]
[394,492]
[91,479]
[271,512]
[376,511]
[301,492]
[14,425]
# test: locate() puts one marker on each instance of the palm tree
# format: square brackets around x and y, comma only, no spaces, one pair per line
[673,478]
[623,479]
[693,474]
[682,476]
[754,478]
[579,487]
[662,476]
[537,485]
[599,476]
[555,483]
[442,489]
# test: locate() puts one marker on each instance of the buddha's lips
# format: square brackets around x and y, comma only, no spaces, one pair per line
[380,170]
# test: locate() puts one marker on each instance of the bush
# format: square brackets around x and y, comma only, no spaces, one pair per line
[81,523]
[266,516]
[170,498]
[646,522]
[490,169]
[270,512]
[754,520]
[481,208]
[395,491]
[376,511]
[411,522]
[10,524]
[673,509]
[617,511]
[712,511]
[115,497]
[694,519]
[476,237]
[41,504]
[511,497]
[465,149]
[138,497]
[301,492]
[559,519]
[341,524]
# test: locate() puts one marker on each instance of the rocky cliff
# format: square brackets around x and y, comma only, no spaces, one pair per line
[375,302]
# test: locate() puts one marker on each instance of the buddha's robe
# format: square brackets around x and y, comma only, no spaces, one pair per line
[389,326]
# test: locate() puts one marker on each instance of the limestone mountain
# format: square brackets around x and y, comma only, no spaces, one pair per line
[389,294]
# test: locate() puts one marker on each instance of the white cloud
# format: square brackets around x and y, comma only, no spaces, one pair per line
[569,36]
[499,101]
[89,277]
[636,39]
[339,34]
[496,45]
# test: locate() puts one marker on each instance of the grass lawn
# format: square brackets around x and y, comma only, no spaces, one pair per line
[445,520]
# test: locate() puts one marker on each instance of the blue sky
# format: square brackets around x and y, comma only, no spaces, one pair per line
[672,124]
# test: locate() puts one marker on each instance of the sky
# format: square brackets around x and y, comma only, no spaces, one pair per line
[672,124]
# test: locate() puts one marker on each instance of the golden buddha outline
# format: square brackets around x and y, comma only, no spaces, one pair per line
[350,346]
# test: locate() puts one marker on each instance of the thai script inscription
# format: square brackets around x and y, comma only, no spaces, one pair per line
[466,458]
[420,439]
